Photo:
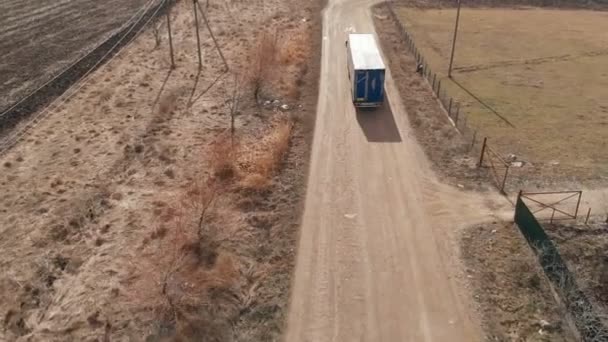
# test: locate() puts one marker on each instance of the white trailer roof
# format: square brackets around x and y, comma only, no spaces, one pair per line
[364,50]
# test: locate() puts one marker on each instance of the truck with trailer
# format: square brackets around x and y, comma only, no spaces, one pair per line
[365,70]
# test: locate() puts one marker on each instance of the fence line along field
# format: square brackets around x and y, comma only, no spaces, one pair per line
[40,38]
[544,70]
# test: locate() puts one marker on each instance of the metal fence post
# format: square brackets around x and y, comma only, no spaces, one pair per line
[170,37]
[504,181]
[457,113]
[578,203]
[450,108]
[483,151]
[198,36]
[474,139]
[588,213]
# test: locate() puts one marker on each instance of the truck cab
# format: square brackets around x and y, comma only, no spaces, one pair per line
[366,70]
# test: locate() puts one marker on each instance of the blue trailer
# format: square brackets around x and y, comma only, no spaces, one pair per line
[365,70]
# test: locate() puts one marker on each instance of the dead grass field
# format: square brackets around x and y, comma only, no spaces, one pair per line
[515,299]
[129,214]
[584,248]
[543,70]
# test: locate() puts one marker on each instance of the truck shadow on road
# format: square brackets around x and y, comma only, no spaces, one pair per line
[378,124]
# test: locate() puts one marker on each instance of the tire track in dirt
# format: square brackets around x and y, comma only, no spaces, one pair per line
[378,253]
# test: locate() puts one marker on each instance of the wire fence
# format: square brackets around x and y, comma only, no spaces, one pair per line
[490,159]
[452,107]
[588,318]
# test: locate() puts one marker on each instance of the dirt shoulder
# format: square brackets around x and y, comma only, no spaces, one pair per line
[583,248]
[452,155]
[515,299]
[130,213]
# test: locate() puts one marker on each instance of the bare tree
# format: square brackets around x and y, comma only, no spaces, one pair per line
[234,107]
[157,36]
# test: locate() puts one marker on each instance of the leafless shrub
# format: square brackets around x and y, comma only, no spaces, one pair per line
[167,103]
[263,61]
[258,170]
[222,157]
[279,63]
[157,37]
[180,267]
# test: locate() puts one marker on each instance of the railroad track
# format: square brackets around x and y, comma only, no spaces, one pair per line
[63,86]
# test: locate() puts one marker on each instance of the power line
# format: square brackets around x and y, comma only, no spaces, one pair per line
[60,74]
[11,141]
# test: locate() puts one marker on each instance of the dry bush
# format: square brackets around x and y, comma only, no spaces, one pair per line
[294,53]
[295,48]
[255,182]
[167,103]
[181,265]
[263,60]
[222,157]
[259,166]
[278,64]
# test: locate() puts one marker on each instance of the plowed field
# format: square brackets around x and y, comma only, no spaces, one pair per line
[39,39]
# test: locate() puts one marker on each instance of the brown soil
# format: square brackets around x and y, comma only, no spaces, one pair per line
[585,250]
[120,222]
[40,38]
[508,283]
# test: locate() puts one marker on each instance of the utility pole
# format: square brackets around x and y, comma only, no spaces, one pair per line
[170,37]
[233,109]
[217,45]
[454,41]
[198,36]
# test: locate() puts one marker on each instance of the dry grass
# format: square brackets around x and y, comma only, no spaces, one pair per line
[262,70]
[541,81]
[222,157]
[279,63]
[514,296]
[259,165]
[251,164]
[180,266]
[293,54]
[168,103]
[144,263]
[584,249]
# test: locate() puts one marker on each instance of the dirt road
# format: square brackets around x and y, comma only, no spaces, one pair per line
[377,255]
